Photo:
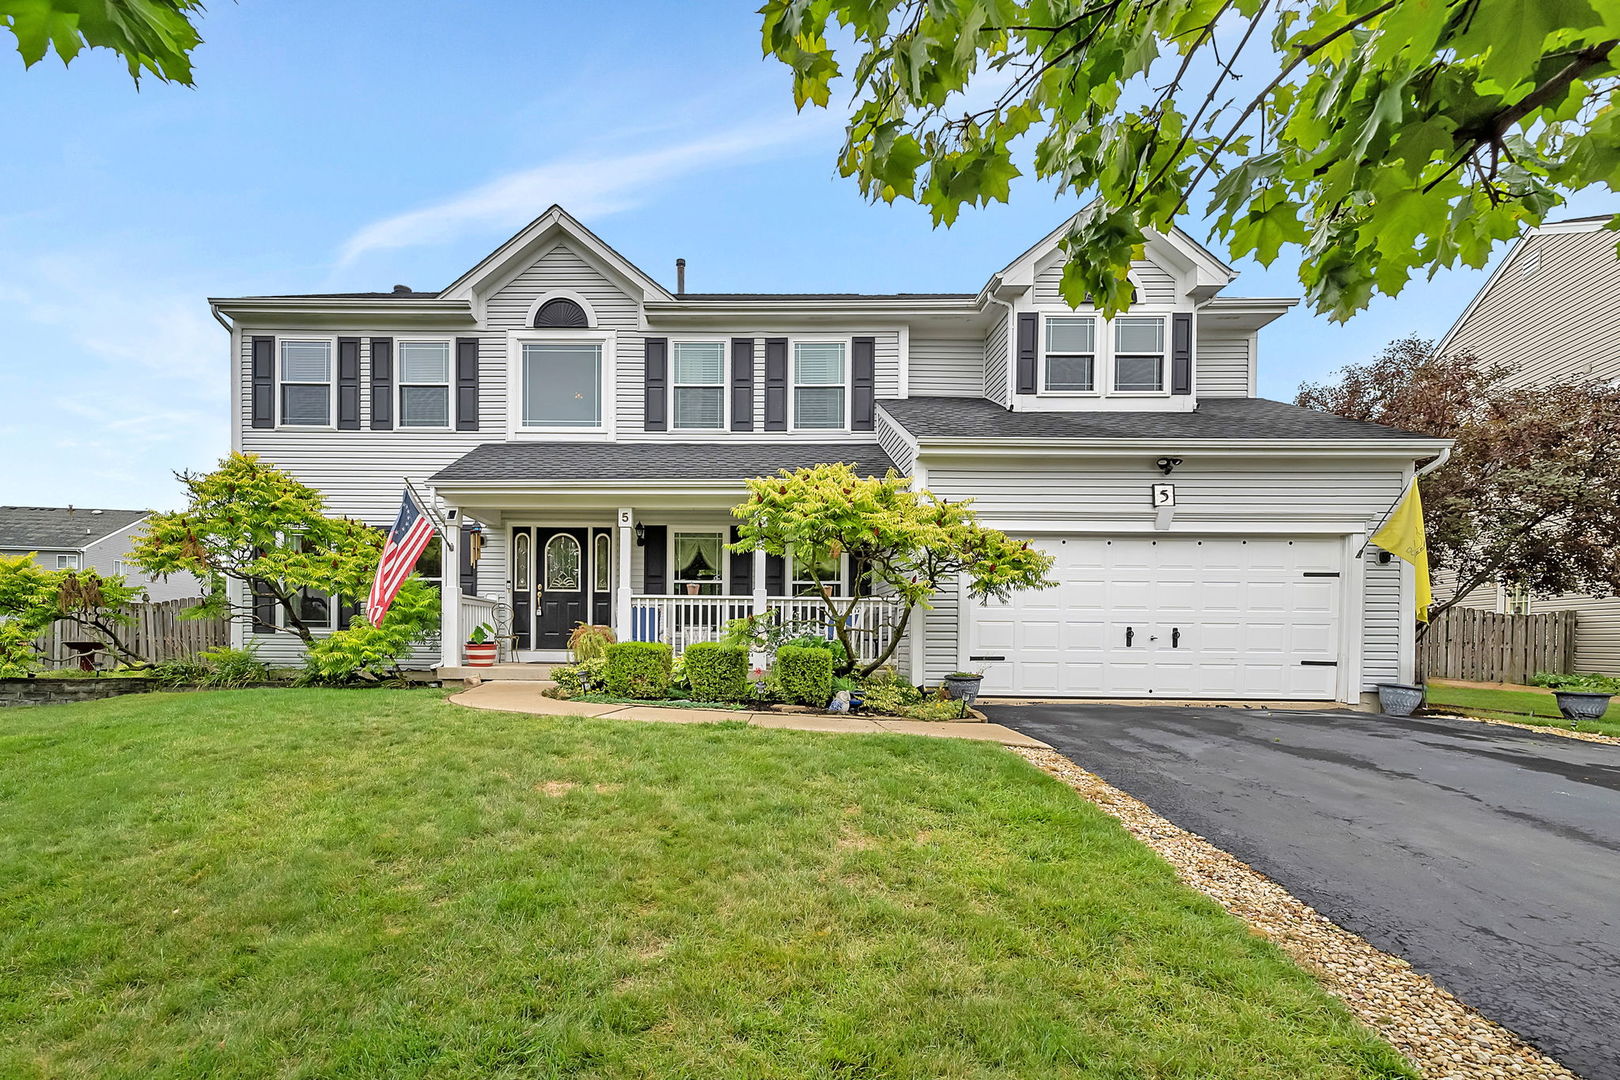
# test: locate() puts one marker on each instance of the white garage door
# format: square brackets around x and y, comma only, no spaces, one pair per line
[1171,618]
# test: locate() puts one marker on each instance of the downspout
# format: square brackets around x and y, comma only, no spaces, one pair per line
[1445,456]
[213,309]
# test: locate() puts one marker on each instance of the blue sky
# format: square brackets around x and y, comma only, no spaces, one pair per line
[358,145]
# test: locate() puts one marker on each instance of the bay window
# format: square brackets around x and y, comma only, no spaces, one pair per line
[306,383]
[819,370]
[424,384]
[699,386]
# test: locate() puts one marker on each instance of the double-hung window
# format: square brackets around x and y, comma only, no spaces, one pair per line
[699,386]
[424,384]
[810,576]
[819,394]
[562,385]
[1071,354]
[306,383]
[699,558]
[67,562]
[1139,354]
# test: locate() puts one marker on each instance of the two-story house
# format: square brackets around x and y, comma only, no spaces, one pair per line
[594,429]
[1551,312]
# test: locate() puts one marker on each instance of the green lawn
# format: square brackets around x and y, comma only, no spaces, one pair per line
[1521,706]
[306,883]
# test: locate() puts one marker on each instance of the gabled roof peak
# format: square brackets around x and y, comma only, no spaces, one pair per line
[531,241]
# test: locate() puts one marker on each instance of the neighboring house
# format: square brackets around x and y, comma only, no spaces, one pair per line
[1551,310]
[596,429]
[74,538]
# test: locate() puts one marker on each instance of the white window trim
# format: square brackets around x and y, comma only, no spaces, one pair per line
[724,384]
[677,585]
[1168,324]
[607,340]
[1099,327]
[793,581]
[449,384]
[69,561]
[331,383]
[793,383]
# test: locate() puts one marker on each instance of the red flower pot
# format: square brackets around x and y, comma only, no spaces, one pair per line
[481,655]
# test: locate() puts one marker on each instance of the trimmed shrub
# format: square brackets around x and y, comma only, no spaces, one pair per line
[832,646]
[887,693]
[804,674]
[638,669]
[717,672]
[575,679]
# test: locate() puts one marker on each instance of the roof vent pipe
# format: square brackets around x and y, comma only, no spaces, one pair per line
[680,277]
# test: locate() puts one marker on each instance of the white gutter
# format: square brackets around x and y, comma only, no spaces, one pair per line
[1445,456]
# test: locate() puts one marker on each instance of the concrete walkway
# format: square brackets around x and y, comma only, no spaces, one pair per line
[525,697]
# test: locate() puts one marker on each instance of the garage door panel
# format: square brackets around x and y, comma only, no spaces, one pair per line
[1247,616]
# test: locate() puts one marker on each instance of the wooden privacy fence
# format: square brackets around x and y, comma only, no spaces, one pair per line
[157,633]
[1481,645]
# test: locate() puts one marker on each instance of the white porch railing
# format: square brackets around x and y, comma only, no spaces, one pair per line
[679,621]
[476,611]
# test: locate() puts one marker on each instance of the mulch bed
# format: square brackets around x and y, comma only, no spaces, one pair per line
[1443,1038]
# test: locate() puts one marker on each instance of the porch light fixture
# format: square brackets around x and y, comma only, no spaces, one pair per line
[641,535]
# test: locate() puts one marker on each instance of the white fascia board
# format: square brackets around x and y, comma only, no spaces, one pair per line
[250,309]
[849,306]
[1395,449]
[1246,312]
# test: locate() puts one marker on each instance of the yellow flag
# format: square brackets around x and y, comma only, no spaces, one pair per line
[1402,536]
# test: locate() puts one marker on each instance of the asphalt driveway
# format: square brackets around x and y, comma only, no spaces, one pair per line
[1487,856]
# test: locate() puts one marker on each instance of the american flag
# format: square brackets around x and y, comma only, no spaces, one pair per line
[411,532]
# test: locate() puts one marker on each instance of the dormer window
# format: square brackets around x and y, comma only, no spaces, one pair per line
[1138,355]
[1071,355]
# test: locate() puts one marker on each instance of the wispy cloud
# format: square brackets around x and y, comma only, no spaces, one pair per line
[590,184]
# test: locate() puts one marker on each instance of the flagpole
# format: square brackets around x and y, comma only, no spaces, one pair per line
[1443,457]
[428,508]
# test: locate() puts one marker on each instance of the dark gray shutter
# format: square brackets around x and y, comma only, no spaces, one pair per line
[863,384]
[776,384]
[1181,378]
[742,384]
[382,384]
[346,611]
[467,384]
[264,607]
[348,384]
[468,572]
[1028,329]
[655,406]
[654,579]
[775,575]
[741,578]
[264,382]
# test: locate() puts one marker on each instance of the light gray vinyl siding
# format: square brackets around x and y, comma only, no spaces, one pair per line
[941,626]
[1552,313]
[894,443]
[1047,493]
[564,269]
[1158,287]
[1225,363]
[109,554]
[952,367]
[996,386]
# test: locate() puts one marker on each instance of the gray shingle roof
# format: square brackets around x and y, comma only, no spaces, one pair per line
[826,296]
[543,461]
[34,527]
[1215,418]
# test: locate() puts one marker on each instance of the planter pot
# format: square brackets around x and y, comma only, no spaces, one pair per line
[692,590]
[481,655]
[1398,699]
[1577,705]
[963,687]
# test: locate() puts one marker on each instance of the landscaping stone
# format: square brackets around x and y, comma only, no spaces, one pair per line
[48,691]
[1442,1037]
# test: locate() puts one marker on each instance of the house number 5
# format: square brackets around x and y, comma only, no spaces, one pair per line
[1164,494]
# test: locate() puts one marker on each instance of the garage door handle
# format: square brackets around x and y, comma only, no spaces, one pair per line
[1175,637]
[1130,635]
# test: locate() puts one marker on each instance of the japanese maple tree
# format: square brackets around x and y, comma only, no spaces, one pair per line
[1531,493]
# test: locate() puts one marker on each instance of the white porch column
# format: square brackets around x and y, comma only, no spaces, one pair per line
[761,601]
[450,629]
[621,605]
